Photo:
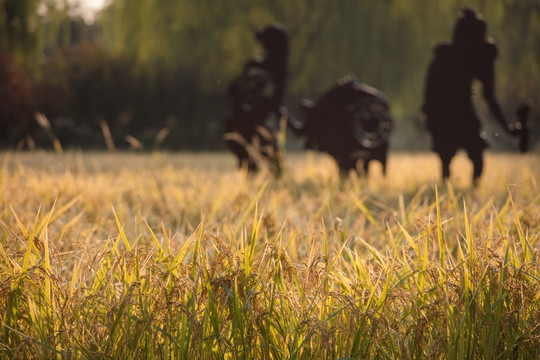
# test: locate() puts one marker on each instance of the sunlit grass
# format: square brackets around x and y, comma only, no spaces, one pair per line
[182,256]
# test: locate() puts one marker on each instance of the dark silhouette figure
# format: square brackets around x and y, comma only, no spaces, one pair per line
[351,122]
[451,117]
[256,97]
[522,113]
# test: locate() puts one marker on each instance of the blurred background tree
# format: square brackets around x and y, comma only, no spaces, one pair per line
[163,66]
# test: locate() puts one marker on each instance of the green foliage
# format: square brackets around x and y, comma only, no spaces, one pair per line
[28,27]
[180,56]
[18,29]
[386,43]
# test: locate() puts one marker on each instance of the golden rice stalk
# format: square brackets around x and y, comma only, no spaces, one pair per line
[46,125]
[107,135]
[162,135]
[42,121]
[134,143]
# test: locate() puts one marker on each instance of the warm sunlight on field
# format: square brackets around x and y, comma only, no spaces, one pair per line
[180,255]
[178,191]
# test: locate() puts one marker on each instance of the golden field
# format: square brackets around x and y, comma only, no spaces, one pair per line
[183,256]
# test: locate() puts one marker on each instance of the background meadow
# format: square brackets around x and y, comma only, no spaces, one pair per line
[164,255]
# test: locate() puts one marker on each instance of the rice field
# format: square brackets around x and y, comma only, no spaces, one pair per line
[182,256]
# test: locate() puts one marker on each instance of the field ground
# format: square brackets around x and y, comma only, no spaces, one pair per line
[183,256]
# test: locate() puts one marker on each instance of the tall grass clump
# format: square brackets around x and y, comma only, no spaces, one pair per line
[179,257]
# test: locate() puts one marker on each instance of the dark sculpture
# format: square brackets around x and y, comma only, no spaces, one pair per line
[450,114]
[256,97]
[351,122]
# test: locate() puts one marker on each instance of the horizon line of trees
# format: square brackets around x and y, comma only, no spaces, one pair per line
[150,68]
